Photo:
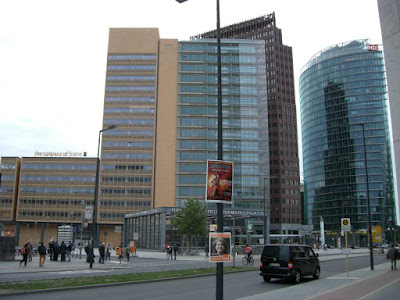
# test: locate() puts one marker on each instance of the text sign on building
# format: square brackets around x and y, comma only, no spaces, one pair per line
[373,48]
[376,234]
[220,247]
[219,181]
[89,212]
[346,224]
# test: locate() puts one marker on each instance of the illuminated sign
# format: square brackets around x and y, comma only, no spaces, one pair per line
[60,154]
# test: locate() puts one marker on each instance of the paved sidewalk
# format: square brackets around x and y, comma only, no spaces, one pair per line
[7,267]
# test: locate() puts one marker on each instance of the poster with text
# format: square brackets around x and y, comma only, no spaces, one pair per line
[220,246]
[219,181]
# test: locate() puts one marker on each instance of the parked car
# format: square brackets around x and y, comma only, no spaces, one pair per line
[290,262]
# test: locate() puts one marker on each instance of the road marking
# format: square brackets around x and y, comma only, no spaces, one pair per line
[381,288]
[354,278]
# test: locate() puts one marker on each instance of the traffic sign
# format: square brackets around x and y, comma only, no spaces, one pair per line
[346,224]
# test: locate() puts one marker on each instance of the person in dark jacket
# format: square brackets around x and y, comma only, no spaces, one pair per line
[63,250]
[24,252]
[42,254]
[102,252]
[69,251]
[51,249]
[87,248]
[56,251]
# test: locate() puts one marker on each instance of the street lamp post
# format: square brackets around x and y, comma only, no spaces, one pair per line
[220,206]
[266,217]
[96,189]
[371,255]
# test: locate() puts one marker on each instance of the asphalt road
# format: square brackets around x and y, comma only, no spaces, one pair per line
[236,285]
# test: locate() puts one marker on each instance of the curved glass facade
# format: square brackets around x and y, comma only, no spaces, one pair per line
[343,94]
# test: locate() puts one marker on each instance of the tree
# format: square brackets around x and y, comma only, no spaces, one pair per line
[191,220]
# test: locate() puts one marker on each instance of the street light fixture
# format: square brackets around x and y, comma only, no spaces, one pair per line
[371,255]
[220,206]
[96,189]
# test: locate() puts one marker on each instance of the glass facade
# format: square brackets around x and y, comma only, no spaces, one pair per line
[343,93]
[245,118]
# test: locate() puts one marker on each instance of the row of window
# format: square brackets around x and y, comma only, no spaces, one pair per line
[126,191]
[57,202]
[131,78]
[233,48]
[38,166]
[242,123]
[231,100]
[202,156]
[136,132]
[131,67]
[133,109]
[134,145]
[5,166]
[225,59]
[134,122]
[134,88]
[129,99]
[199,145]
[127,57]
[59,190]
[226,90]
[227,133]
[127,167]
[124,203]
[126,179]
[133,156]
[58,178]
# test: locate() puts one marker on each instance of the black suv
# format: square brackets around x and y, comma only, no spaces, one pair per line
[289,262]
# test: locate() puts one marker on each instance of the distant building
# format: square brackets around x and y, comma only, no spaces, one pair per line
[341,87]
[284,177]
[389,13]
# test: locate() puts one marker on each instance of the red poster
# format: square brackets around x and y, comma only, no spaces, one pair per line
[219,181]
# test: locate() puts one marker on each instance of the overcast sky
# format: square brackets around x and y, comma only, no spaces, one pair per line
[53,55]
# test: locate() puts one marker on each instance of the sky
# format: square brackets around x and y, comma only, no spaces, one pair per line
[53,55]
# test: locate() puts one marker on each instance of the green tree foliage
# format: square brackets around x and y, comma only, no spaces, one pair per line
[191,220]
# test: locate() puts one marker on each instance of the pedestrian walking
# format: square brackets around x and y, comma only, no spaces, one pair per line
[176,248]
[24,252]
[69,251]
[108,251]
[29,247]
[127,252]
[169,252]
[51,249]
[102,250]
[118,251]
[392,257]
[42,254]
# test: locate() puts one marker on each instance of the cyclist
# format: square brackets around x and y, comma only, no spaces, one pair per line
[248,251]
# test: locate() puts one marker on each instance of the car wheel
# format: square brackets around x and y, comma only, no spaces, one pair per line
[267,278]
[297,277]
[317,273]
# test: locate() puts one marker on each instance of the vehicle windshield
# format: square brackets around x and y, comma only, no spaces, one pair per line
[279,252]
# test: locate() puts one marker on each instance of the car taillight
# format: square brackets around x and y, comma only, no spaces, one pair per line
[290,265]
[261,264]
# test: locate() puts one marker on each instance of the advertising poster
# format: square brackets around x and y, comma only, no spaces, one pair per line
[219,181]
[220,247]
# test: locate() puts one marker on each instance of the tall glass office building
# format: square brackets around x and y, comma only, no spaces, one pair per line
[343,95]
[245,121]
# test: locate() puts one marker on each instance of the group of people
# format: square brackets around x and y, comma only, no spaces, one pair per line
[54,250]
[172,250]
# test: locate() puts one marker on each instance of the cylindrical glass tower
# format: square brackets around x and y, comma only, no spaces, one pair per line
[343,93]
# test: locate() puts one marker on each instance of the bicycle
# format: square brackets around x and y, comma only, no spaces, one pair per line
[248,260]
